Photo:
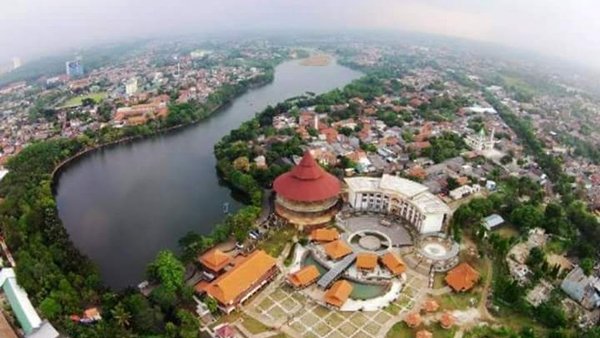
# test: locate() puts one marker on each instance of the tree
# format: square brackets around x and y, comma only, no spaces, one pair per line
[188,324]
[121,316]
[145,318]
[168,270]
[164,297]
[241,163]
[587,265]
[526,217]
[88,102]
[50,308]
[452,183]
[211,305]
[536,257]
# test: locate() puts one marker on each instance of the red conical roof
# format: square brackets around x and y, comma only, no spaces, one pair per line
[307,182]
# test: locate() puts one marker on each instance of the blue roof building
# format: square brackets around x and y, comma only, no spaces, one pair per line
[492,221]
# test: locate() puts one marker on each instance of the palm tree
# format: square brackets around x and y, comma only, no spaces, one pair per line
[121,315]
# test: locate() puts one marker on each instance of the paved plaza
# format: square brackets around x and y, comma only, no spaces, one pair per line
[299,316]
[395,231]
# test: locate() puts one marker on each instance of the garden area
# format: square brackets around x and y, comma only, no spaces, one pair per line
[401,330]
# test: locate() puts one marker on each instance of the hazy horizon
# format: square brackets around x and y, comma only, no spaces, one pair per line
[32,28]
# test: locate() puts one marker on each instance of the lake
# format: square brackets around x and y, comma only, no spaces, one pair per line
[123,204]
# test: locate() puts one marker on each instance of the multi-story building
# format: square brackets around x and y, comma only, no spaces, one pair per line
[401,197]
[307,195]
[74,68]
[131,86]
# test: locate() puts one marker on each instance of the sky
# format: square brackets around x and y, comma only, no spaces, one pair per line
[566,29]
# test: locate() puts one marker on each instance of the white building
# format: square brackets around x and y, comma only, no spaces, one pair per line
[479,142]
[131,86]
[492,221]
[481,110]
[398,196]
[30,321]
[464,191]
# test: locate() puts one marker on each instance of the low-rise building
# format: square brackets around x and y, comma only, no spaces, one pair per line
[304,277]
[462,278]
[464,191]
[245,278]
[339,292]
[492,221]
[581,288]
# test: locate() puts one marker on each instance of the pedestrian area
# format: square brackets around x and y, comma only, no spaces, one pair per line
[284,307]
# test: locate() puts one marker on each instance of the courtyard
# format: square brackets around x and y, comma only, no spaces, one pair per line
[297,315]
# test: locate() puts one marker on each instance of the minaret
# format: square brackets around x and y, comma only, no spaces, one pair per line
[481,140]
[316,121]
[491,145]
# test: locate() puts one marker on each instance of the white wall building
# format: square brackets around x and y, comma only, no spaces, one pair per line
[30,321]
[464,191]
[395,195]
[479,142]
[131,86]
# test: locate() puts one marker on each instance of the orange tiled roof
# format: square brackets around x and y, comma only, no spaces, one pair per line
[393,263]
[241,277]
[431,305]
[462,278]
[366,261]
[214,259]
[201,286]
[324,235]
[91,313]
[424,334]
[447,320]
[305,276]
[337,249]
[338,293]
[413,319]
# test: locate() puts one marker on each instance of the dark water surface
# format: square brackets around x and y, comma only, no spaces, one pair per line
[123,204]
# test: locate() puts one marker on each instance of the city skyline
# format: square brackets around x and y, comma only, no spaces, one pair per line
[552,27]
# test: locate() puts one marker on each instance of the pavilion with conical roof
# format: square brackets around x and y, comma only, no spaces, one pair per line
[307,195]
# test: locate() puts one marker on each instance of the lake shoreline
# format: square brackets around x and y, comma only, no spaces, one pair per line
[64,165]
[158,184]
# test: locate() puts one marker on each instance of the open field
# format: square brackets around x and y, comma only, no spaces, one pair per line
[77,100]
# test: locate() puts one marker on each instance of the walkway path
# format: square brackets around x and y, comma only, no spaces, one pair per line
[486,288]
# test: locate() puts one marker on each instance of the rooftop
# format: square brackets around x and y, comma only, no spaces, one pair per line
[393,263]
[305,276]
[307,182]
[324,235]
[214,259]
[413,319]
[338,293]
[462,278]
[366,261]
[241,277]
[337,249]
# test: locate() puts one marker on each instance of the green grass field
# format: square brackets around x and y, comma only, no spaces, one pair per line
[76,100]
